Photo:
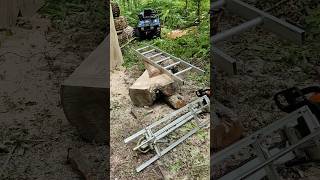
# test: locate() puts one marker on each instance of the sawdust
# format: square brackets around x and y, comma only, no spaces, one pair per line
[32,67]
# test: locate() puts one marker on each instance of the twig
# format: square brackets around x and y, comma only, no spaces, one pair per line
[8,159]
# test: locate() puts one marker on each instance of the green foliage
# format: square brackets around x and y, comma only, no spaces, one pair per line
[313,21]
[76,13]
[173,14]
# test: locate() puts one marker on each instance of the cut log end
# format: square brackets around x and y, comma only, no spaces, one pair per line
[144,91]
[85,108]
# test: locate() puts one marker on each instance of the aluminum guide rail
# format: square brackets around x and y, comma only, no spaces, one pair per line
[255,17]
[171,123]
[263,164]
[149,53]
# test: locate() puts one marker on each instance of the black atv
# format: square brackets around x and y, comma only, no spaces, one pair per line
[149,25]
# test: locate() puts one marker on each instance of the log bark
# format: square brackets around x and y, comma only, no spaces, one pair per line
[152,71]
[116,57]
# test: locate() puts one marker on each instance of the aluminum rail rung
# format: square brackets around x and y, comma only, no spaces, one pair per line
[153,56]
[236,30]
[142,48]
[291,120]
[182,71]
[143,53]
[217,4]
[178,59]
[164,119]
[162,60]
[280,154]
[166,150]
[173,64]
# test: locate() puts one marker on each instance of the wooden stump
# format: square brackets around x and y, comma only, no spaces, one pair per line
[85,96]
[144,91]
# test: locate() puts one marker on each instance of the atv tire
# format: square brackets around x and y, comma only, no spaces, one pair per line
[115,9]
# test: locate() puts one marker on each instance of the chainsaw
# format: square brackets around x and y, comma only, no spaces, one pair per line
[294,98]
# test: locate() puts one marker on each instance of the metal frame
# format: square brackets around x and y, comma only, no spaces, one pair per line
[255,17]
[142,54]
[172,122]
[262,165]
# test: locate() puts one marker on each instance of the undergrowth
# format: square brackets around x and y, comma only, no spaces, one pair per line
[193,47]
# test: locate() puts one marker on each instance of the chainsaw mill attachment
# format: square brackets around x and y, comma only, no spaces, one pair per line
[160,59]
[260,154]
[150,137]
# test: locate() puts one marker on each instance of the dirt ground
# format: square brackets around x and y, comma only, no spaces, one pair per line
[267,65]
[34,133]
[189,160]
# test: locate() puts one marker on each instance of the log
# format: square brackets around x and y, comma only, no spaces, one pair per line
[85,96]
[116,57]
[176,101]
[145,89]
[227,129]
[152,71]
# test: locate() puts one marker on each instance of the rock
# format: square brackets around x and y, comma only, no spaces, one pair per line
[176,101]
[145,89]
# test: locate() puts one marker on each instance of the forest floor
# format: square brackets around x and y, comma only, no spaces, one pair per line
[190,160]
[267,66]
[35,59]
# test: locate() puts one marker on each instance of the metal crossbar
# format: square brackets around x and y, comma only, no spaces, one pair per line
[264,164]
[169,124]
[255,17]
[156,57]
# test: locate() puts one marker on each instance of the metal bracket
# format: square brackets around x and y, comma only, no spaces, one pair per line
[263,164]
[169,124]
[149,53]
[255,17]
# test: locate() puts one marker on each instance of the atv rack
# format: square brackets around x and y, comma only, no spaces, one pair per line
[156,57]
[150,139]
[255,17]
[264,164]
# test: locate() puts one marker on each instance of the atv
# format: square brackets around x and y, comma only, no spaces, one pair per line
[149,24]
